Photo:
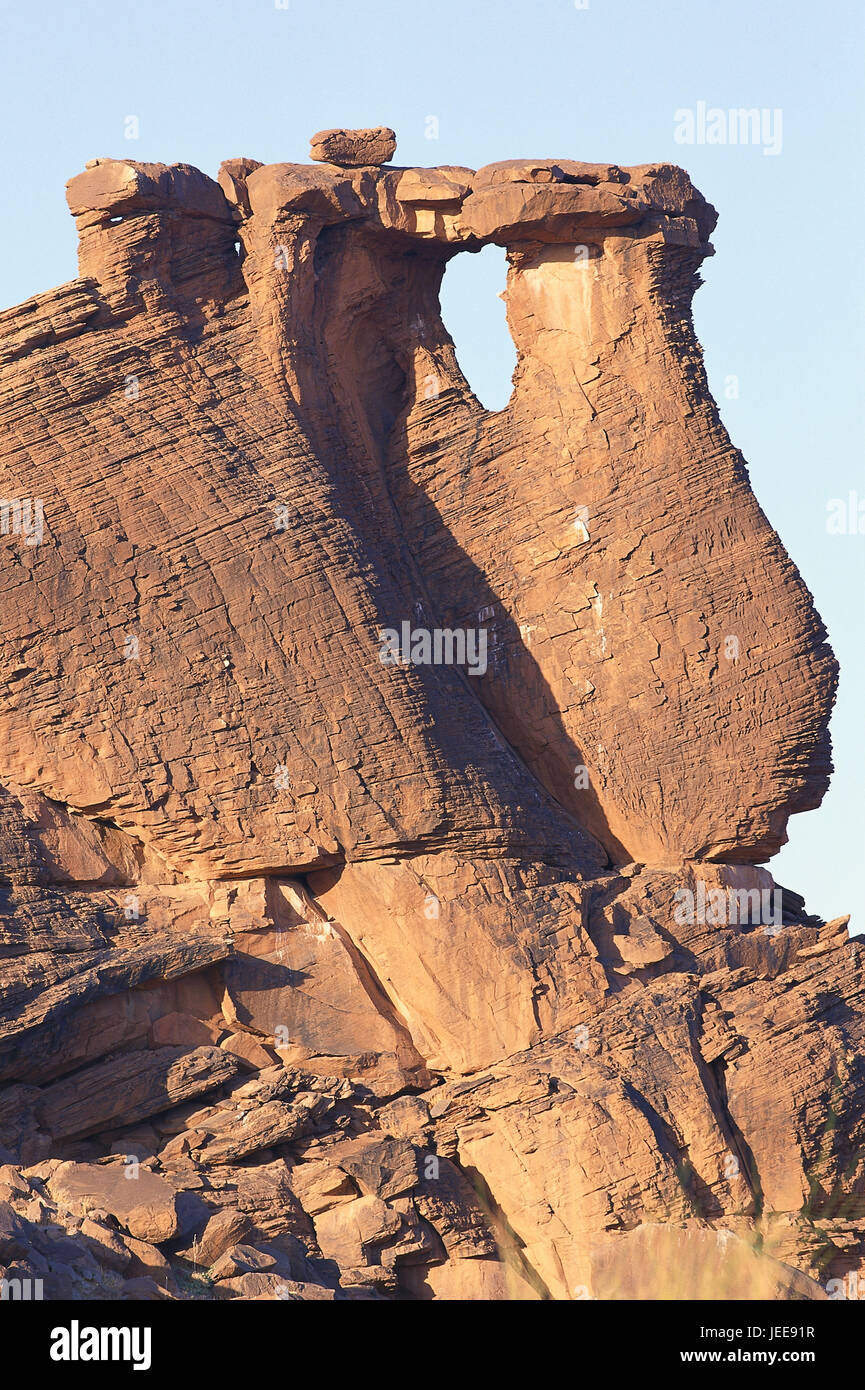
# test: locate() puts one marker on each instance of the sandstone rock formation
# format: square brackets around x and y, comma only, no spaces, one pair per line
[336,963]
[353,148]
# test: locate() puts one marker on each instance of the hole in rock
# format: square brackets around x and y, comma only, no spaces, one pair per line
[475,318]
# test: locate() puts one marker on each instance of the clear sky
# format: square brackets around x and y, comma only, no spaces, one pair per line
[781,311]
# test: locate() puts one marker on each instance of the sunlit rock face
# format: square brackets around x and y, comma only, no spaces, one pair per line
[385,777]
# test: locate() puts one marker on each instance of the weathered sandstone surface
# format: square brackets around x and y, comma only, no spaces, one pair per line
[353,148]
[329,975]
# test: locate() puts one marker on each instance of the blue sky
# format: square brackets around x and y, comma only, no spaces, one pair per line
[782,307]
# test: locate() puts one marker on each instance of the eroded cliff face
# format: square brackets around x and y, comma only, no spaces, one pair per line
[389,974]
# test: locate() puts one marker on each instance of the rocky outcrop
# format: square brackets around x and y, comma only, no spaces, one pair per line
[353,148]
[387,778]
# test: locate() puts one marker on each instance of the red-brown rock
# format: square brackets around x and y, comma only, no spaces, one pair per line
[472,928]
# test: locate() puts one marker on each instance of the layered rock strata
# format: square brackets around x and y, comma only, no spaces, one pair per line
[386,778]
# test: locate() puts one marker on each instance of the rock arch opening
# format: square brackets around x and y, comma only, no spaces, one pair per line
[474,315]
